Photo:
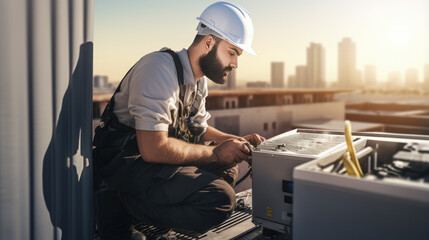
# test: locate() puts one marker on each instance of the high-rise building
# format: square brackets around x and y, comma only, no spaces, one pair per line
[100,81]
[231,82]
[426,77]
[300,76]
[315,66]
[346,63]
[394,79]
[277,74]
[370,75]
[411,77]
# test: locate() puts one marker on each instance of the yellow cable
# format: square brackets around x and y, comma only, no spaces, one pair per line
[350,167]
[349,141]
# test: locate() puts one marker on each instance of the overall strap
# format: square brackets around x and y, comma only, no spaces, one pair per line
[198,99]
[179,67]
[180,78]
[109,117]
[111,101]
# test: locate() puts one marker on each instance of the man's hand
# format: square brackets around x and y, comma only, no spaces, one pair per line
[254,139]
[231,152]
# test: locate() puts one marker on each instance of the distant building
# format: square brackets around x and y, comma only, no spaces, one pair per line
[291,81]
[315,66]
[257,84]
[411,77]
[394,79]
[300,76]
[100,81]
[277,74]
[270,111]
[370,77]
[101,84]
[346,63]
[426,77]
[231,82]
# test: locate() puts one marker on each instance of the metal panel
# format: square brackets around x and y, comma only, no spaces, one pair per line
[45,125]
[14,122]
[41,105]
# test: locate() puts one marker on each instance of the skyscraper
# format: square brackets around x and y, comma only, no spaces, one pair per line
[231,81]
[411,77]
[370,75]
[277,74]
[315,66]
[346,63]
[300,76]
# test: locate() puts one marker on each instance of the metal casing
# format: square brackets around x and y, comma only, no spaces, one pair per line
[272,184]
[332,206]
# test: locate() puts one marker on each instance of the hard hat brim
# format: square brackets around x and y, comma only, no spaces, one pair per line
[208,29]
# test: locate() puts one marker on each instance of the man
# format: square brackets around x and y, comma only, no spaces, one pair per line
[166,180]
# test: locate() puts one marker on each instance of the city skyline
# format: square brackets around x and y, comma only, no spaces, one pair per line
[390,35]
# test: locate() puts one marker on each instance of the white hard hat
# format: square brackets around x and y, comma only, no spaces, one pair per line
[230,22]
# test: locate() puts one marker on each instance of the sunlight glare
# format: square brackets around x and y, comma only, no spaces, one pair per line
[400,36]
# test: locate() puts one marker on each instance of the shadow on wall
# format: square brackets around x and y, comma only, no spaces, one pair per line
[67,164]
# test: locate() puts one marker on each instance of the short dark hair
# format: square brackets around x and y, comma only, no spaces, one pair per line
[199,38]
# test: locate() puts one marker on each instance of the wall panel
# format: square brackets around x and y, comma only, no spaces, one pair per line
[14,122]
[45,119]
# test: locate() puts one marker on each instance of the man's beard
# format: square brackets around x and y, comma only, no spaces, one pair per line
[212,68]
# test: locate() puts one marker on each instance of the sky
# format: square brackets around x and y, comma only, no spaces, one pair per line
[393,35]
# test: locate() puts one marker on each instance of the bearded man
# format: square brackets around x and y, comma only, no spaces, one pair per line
[148,147]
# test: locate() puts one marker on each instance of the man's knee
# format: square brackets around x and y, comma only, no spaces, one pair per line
[225,195]
[220,199]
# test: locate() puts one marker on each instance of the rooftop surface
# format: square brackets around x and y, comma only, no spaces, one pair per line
[338,125]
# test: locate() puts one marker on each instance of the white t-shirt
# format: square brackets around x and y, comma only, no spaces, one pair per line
[151,90]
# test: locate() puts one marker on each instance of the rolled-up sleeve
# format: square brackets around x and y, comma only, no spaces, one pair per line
[153,93]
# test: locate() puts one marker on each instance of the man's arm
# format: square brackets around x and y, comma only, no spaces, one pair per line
[157,147]
[212,134]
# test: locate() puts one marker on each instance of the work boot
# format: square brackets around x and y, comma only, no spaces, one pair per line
[113,220]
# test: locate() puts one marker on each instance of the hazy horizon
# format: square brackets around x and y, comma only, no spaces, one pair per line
[392,35]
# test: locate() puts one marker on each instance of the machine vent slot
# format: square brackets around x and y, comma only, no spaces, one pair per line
[288,199]
[303,143]
[236,218]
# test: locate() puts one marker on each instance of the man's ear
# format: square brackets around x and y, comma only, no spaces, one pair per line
[209,42]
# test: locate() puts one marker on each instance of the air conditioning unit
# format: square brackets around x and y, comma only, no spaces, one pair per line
[273,163]
[391,200]
[301,188]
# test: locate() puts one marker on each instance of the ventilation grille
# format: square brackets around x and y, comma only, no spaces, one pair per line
[303,143]
[156,233]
